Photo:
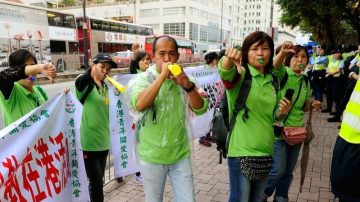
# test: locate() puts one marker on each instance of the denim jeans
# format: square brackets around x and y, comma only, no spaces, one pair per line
[242,189]
[95,162]
[154,177]
[280,177]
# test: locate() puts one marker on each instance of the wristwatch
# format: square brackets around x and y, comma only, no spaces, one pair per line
[191,88]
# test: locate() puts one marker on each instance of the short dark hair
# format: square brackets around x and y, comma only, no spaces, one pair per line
[19,57]
[139,57]
[261,38]
[210,57]
[297,49]
[166,37]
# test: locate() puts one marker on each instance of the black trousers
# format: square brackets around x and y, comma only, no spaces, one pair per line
[95,162]
[332,92]
[345,98]
[345,175]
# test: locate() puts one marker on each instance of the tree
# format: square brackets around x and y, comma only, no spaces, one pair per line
[329,21]
[68,2]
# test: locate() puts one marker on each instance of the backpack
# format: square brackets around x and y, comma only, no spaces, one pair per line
[221,127]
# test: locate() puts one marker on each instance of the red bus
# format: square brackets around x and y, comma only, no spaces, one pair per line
[186,48]
[111,37]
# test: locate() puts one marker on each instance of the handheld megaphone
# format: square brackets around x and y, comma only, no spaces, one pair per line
[117,85]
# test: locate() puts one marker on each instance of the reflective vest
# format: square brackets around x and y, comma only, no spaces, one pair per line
[318,66]
[334,66]
[350,126]
[357,57]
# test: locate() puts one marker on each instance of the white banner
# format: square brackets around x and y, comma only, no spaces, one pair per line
[41,157]
[122,133]
[210,81]
[122,128]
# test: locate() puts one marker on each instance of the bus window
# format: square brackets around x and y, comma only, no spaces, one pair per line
[123,28]
[150,40]
[149,31]
[96,24]
[73,47]
[115,27]
[133,29]
[142,30]
[79,23]
[105,26]
[69,21]
[57,46]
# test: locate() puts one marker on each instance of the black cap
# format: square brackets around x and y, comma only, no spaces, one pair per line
[321,46]
[104,58]
[336,51]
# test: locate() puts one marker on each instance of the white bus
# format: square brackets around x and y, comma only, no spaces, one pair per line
[49,34]
[112,37]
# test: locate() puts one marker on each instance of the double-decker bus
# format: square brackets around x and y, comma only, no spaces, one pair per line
[185,48]
[50,35]
[112,37]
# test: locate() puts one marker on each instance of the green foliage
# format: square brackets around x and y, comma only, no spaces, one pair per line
[327,20]
[68,2]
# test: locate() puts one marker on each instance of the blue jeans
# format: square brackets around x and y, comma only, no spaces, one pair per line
[154,177]
[280,177]
[243,189]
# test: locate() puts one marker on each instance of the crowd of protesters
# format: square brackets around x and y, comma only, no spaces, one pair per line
[260,160]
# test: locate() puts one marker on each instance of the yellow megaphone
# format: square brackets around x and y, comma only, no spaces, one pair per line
[175,69]
[117,85]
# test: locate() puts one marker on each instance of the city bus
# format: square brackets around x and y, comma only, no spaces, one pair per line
[112,37]
[185,48]
[50,35]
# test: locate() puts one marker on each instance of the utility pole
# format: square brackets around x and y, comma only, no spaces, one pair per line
[221,24]
[86,54]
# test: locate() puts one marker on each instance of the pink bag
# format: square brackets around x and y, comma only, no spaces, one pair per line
[294,135]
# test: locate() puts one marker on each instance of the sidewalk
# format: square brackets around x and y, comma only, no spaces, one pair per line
[211,180]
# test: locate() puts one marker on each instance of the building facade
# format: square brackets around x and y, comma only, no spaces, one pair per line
[210,24]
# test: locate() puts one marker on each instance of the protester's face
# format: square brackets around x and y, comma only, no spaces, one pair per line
[144,63]
[102,69]
[299,61]
[337,56]
[30,81]
[214,63]
[320,51]
[165,52]
[259,52]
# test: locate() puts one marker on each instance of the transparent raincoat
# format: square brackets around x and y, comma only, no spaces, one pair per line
[164,130]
